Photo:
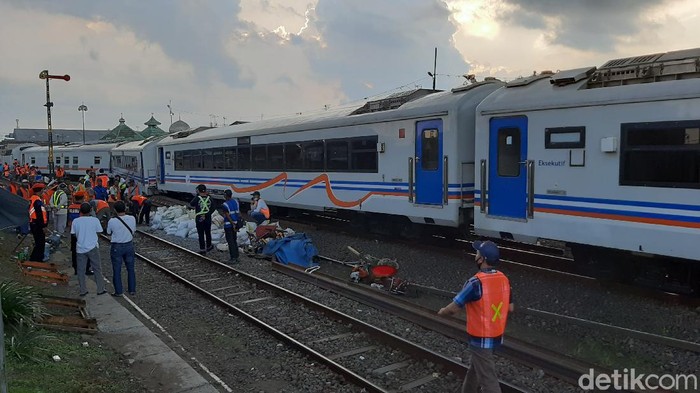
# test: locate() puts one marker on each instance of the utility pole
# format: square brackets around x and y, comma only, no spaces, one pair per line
[83,108]
[45,75]
[434,73]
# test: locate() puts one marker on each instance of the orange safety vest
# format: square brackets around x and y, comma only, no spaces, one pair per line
[265,212]
[139,199]
[24,193]
[6,170]
[32,211]
[101,205]
[103,180]
[47,196]
[60,173]
[486,317]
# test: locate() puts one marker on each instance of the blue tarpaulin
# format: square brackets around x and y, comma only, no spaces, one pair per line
[297,249]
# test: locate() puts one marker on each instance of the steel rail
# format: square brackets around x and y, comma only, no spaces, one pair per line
[386,337]
[550,362]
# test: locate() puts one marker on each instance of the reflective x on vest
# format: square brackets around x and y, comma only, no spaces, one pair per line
[203,206]
[56,199]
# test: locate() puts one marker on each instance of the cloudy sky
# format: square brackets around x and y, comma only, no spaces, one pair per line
[226,60]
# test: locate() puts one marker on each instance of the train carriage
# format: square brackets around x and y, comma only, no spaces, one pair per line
[138,161]
[413,162]
[603,159]
[75,159]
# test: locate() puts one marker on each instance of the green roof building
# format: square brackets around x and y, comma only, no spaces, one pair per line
[122,133]
[152,129]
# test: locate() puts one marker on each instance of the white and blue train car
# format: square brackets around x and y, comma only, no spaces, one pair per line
[603,159]
[415,161]
[138,161]
[75,159]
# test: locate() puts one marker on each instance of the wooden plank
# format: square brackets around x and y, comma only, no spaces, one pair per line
[69,328]
[63,301]
[40,265]
[391,367]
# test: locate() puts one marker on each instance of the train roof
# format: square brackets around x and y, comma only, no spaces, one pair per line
[438,103]
[660,76]
[75,147]
[137,145]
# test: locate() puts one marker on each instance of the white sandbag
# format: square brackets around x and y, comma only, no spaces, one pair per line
[222,246]
[288,232]
[250,226]
[181,233]
[191,224]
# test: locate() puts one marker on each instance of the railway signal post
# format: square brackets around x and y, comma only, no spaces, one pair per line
[45,75]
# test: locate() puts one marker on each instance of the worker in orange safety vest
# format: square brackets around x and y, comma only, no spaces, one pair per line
[487,298]
[38,220]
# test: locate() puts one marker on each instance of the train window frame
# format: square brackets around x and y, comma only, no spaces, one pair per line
[296,149]
[653,154]
[96,160]
[75,160]
[337,157]
[241,159]
[58,160]
[243,141]
[179,163]
[359,155]
[554,131]
[219,159]
[501,158]
[275,157]
[231,158]
[66,160]
[430,161]
[316,164]
[32,160]
[258,157]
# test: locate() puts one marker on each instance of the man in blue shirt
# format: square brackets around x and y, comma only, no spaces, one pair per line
[487,299]
[231,219]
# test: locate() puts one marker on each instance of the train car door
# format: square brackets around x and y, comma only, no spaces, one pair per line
[161,165]
[507,179]
[428,163]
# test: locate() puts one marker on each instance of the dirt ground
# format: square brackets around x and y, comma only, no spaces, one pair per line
[94,367]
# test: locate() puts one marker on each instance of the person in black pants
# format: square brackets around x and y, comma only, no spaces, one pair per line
[202,207]
[38,221]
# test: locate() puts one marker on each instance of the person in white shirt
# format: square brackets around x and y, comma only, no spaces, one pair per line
[260,212]
[122,229]
[85,228]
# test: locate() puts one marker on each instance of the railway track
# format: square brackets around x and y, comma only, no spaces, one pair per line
[550,260]
[343,343]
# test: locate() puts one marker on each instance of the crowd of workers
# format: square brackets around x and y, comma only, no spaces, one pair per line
[57,202]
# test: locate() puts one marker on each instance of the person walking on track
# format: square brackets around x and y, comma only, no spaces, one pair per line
[487,298]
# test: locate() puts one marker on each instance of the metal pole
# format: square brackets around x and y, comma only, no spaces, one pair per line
[83,127]
[49,104]
[434,68]
[3,379]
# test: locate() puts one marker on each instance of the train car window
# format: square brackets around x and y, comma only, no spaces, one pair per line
[363,154]
[660,154]
[244,158]
[337,155]
[58,160]
[75,160]
[509,152]
[430,150]
[565,138]
[66,160]
[313,155]
[275,157]
[259,157]
[178,161]
[219,161]
[243,141]
[207,159]
[195,160]
[292,156]
[97,160]
[33,160]
[231,157]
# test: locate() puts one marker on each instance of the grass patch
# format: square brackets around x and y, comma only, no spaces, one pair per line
[80,370]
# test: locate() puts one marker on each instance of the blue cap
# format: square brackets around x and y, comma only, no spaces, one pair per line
[488,250]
